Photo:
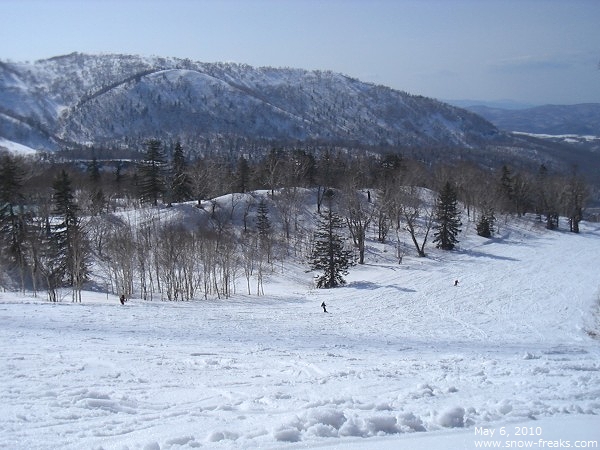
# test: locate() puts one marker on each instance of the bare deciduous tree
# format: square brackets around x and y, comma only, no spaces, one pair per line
[417,213]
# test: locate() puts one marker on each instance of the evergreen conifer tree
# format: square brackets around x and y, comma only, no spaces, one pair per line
[97,199]
[575,198]
[507,191]
[94,171]
[263,225]
[151,181]
[447,218]
[181,185]
[486,223]
[68,240]
[12,216]
[328,252]
[119,177]
[243,175]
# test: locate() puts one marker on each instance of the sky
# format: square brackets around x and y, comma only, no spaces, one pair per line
[527,51]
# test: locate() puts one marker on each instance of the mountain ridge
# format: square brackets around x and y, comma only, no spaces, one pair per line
[117,102]
[62,96]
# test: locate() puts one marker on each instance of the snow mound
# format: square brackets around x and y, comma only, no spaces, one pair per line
[452,418]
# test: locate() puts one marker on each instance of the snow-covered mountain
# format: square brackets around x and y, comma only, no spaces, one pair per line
[108,99]
[119,101]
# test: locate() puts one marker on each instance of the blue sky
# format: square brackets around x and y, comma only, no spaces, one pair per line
[530,51]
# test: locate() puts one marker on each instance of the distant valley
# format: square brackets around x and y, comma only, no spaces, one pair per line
[581,119]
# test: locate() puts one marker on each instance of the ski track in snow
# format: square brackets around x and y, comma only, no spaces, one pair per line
[402,350]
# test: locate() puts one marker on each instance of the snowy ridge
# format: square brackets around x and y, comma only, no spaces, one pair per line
[403,359]
[110,99]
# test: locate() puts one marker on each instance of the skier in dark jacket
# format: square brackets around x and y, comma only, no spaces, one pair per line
[323,305]
[122,299]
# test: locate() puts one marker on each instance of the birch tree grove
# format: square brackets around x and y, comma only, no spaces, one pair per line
[177,253]
[119,259]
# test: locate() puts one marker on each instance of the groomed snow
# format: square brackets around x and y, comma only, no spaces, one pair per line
[403,360]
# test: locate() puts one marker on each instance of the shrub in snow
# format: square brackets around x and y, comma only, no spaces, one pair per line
[452,418]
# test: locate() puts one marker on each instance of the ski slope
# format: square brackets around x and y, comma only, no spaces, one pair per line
[403,360]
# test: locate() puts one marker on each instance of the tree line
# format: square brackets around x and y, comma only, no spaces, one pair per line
[62,221]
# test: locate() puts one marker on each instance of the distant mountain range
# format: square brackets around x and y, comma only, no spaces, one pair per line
[581,119]
[500,104]
[119,101]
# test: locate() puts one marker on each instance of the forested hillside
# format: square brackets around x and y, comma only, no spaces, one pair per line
[166,226]
[109,99]
[110,105]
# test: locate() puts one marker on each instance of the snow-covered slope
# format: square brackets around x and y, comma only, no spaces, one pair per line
[404,359]
[17,149]
[119,98]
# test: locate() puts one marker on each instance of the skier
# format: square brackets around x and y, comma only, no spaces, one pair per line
[455,282]
[323,305]
[122,299]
